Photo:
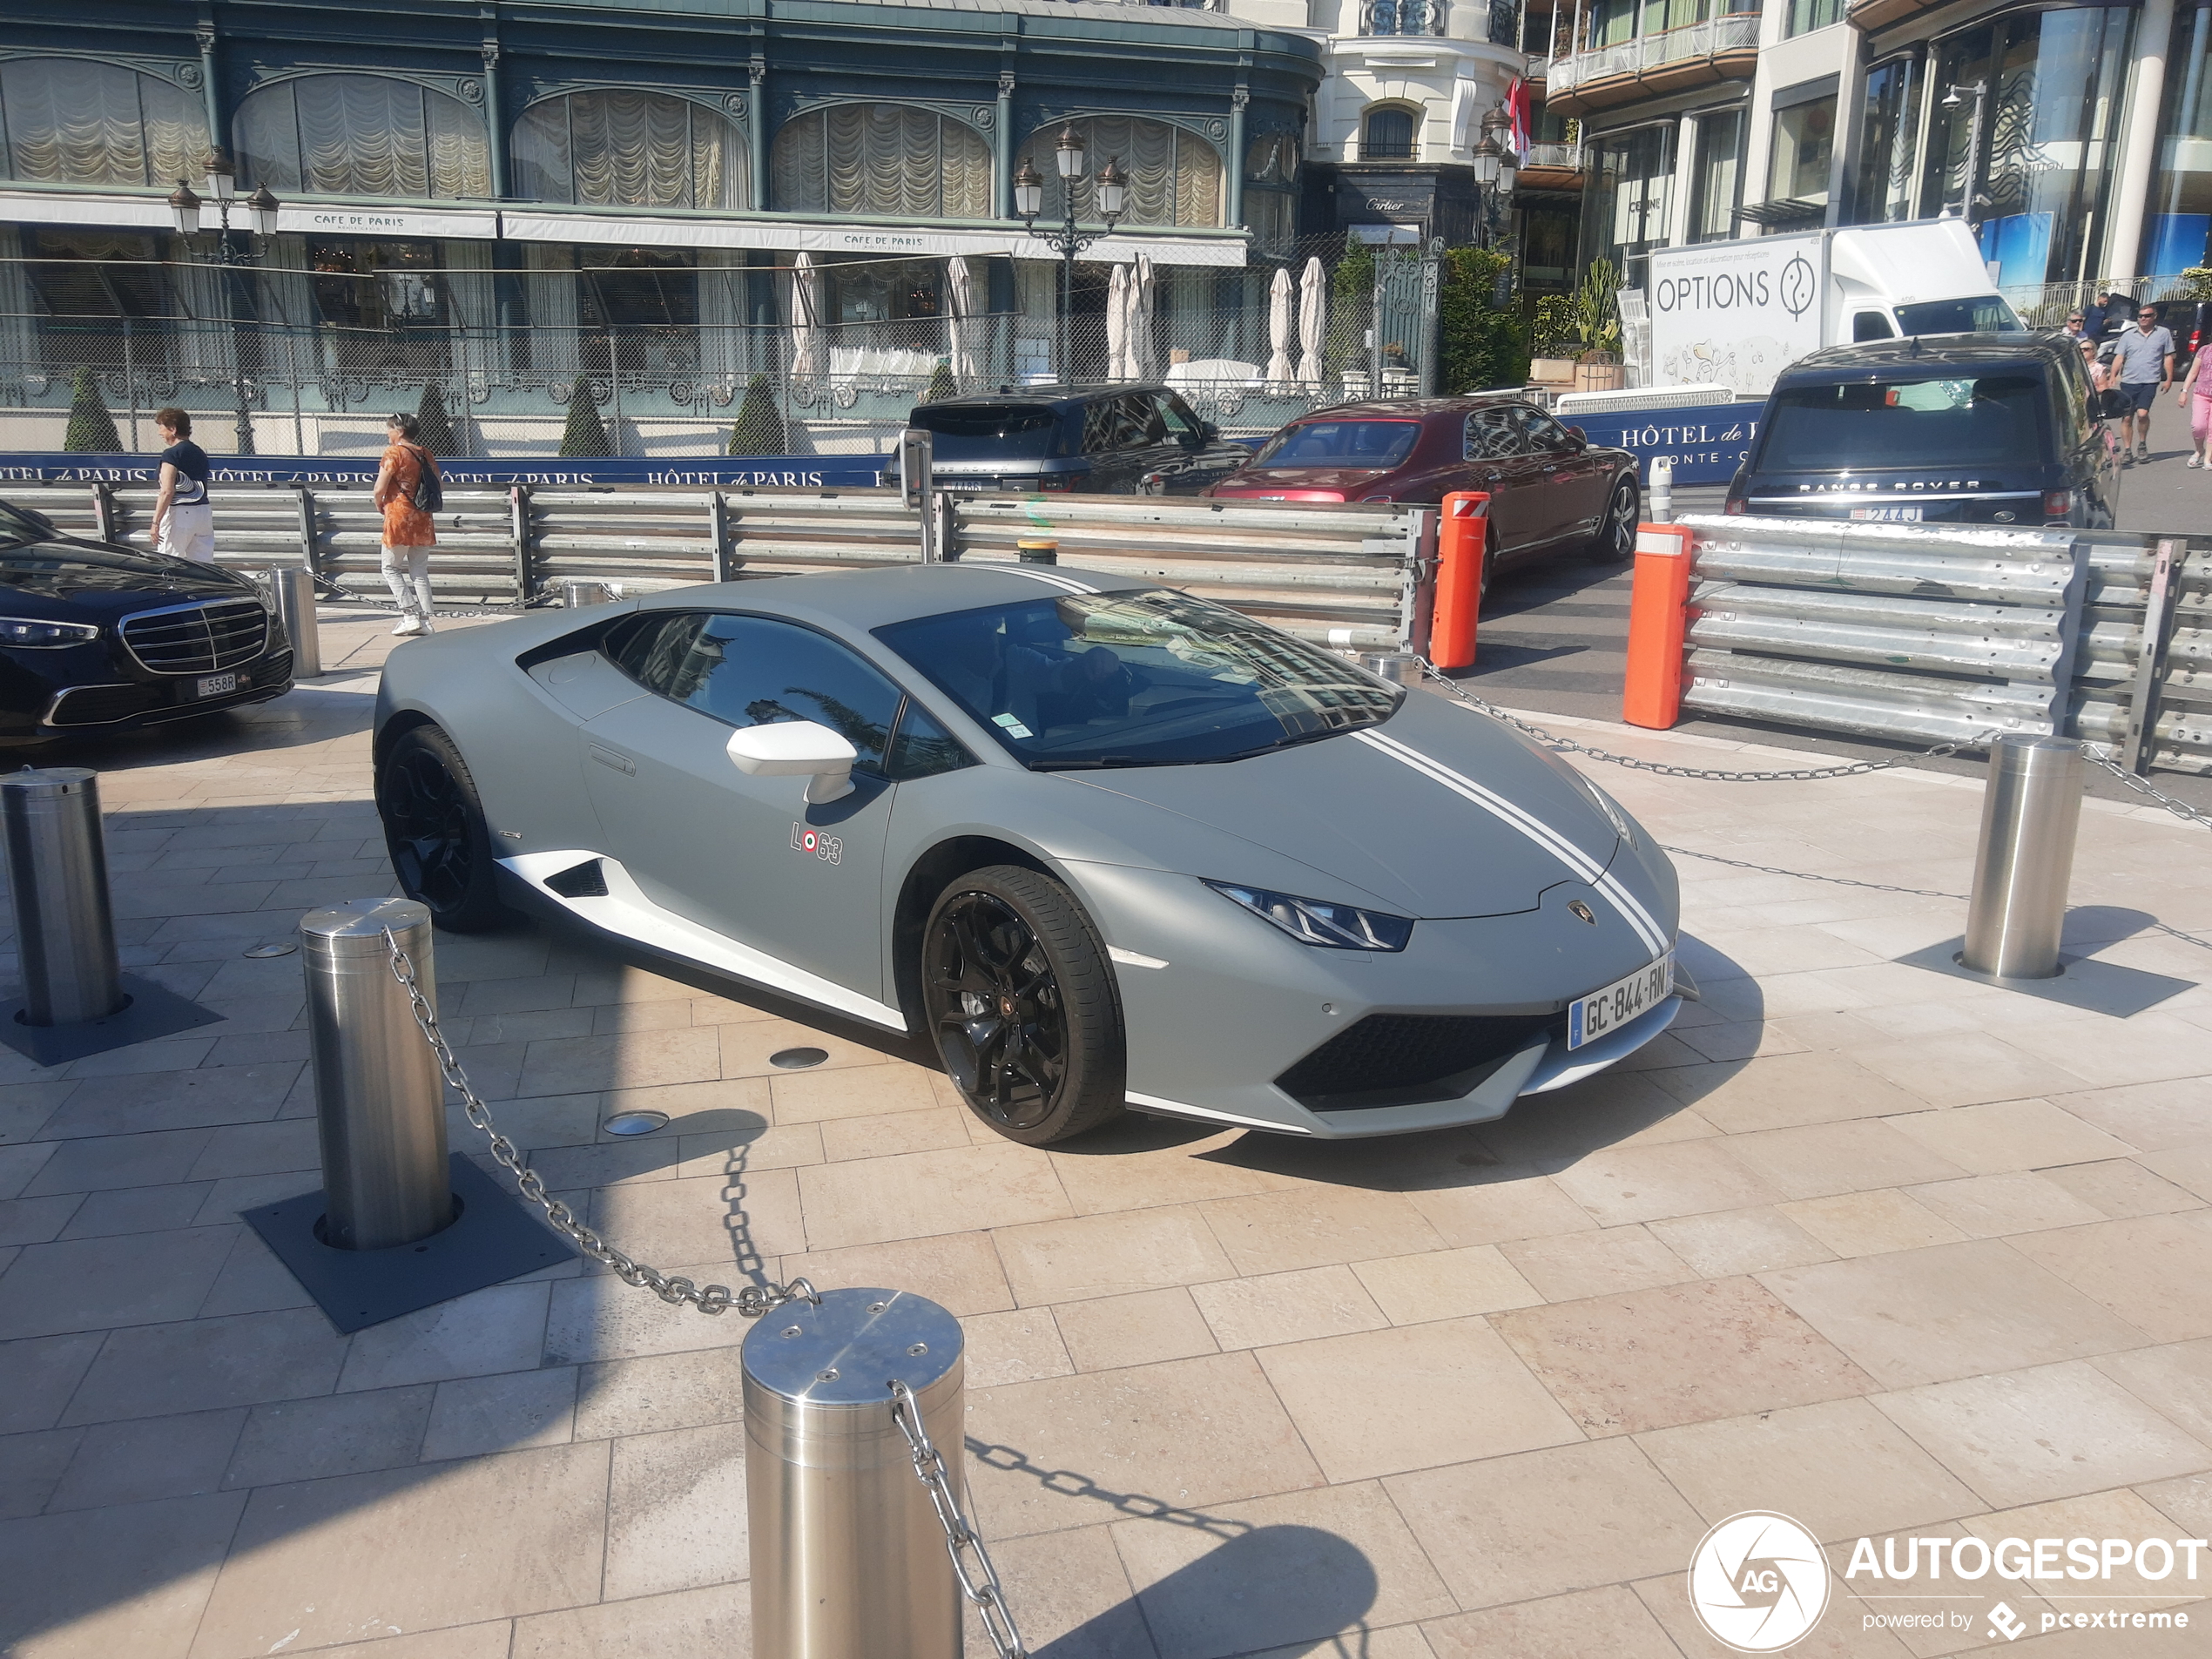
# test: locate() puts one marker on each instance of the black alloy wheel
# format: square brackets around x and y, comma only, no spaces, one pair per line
[1616,536]
[1021,1005]
[433,826]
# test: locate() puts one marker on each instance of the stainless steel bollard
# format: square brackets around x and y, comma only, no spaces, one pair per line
[380,1102]
[848,1556]
[292,592]
[1661,490]
[2031,809]
[58,875]
[578,591]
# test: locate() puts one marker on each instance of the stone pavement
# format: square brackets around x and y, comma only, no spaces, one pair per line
[1878,1247]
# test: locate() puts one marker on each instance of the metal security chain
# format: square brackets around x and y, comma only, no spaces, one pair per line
[750,1301]
[978,1582]
[1552,740]
[1832,880]
[2180,809]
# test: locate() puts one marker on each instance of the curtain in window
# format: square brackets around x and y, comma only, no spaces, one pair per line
[207,347]
[629,149]
[362,135]
[472,303]
[554,350]
[68,121]
[287,299]
[1174,176]
[887,158]
[726,357]
[18,329]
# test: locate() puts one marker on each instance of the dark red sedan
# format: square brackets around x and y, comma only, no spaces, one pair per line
[1551,491]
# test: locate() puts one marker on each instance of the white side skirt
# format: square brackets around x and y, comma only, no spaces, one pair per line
[1208,1115]
[627,911]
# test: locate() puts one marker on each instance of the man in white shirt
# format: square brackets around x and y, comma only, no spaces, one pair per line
[2143,359]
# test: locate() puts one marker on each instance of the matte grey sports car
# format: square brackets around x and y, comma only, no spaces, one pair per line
[1109,844]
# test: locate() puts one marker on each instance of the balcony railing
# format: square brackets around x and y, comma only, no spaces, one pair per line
[1566,156]
[1401,17]
[1739,33]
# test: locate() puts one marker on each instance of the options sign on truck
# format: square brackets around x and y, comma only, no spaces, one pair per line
[1733,313]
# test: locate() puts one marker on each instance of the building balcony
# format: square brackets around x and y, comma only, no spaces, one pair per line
[1552,166]
[1721,49]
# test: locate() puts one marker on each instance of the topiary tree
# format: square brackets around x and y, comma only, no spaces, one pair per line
[942,384]
[759,429]
[586,434]
[432,429]
[1596,309]
[92,428]
[1480,343]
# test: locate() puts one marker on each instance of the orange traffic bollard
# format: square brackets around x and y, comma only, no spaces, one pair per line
[1460,546]
[1658,617]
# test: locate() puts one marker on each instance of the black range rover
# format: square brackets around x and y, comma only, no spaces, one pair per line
[1972,428]
[1098,440]
[94,635]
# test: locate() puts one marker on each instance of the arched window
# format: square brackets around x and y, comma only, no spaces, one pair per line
[1389,135]
[629,149]
[70,121]
[881,159]
[1174,176]
[362,135]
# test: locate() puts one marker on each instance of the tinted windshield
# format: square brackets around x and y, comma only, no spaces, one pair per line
[1340,443]
[1905,423]
[1983,314]
[989,431]
[1145,678]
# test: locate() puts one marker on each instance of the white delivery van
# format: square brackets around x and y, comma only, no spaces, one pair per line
[1734,313]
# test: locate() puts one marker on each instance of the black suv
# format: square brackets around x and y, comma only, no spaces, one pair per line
[1972,429]
[1101,440]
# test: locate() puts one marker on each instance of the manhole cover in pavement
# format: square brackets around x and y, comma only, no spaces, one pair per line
[635,1123]
[797,1059]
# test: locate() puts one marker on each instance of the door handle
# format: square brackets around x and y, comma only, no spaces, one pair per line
[621,763]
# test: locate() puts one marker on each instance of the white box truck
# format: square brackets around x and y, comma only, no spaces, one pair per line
[1734,313]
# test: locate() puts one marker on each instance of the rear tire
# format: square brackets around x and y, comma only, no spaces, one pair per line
[1022,1005]
[434,827]
[1616,532]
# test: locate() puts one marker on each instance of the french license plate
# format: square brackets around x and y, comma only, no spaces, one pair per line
[1591,1017]
[1888,515]
[215,685]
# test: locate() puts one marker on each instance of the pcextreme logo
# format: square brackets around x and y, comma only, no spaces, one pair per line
[1759,1582]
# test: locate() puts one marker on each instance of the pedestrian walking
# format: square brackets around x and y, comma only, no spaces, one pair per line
[2194,394]
[2093,317]
[2143,359]
[184,522]
[408,489]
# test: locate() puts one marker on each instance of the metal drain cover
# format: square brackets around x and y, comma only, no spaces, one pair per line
[797,1059]
[281,948]
[635,1123]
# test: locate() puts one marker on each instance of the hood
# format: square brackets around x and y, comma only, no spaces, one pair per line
[70,573]
[1438,812]
[1258,478]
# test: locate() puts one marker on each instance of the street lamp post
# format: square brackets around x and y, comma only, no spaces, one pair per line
[1110,195]
[1974,197]
[261,206]
[1495,169]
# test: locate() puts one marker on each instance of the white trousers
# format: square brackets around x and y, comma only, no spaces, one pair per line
[406,572]
[189,532]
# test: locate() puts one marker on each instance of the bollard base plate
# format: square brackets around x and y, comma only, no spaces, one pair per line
[153,1011]
[493,1239]
[2081,982]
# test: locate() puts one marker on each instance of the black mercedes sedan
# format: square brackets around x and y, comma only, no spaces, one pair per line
[98,637]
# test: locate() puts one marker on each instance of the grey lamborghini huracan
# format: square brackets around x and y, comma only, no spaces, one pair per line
[1109,844]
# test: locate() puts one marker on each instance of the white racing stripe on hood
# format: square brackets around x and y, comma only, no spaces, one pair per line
[1066,584]
[1579,863]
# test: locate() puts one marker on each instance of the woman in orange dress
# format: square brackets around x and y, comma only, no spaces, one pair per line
[408,533]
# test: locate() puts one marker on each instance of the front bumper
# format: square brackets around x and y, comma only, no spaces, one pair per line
[1233,1005]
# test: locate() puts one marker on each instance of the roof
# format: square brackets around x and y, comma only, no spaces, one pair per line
[863,600]
[1400,408]
[1931,351]
[1045,396]
[1103,10]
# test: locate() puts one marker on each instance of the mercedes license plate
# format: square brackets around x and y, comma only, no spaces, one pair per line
[1888,515]
[1591,1017]
[215,685]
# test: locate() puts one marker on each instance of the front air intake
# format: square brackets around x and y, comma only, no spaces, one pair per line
[584,881]
[1411,1059]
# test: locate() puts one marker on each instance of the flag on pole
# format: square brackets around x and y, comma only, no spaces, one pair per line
[1517,112]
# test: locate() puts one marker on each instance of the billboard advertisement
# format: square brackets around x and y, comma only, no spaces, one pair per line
[1734,313]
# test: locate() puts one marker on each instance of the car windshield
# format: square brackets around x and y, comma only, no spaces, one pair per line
[1981,314]
[1144,678]
[1904,423]
[19,528]
[989,431]
[1340,443]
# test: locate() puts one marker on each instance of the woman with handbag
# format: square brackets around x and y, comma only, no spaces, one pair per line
[408,490]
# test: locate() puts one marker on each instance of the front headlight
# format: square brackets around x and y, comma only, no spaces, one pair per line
[20,631]
[1315,921]
[1621,825]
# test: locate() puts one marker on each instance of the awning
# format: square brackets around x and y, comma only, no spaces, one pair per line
[884,242]
[151,212]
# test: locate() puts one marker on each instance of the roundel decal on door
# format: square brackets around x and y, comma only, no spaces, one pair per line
[828,848]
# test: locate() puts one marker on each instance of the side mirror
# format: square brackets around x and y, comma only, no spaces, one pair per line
[2108,405]
[1209,431]
[1580,436]
[796,749]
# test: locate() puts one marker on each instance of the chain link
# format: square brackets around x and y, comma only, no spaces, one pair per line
[978,1582]
[750,1301]
[1553,741]
[1832,880]
[2180,809]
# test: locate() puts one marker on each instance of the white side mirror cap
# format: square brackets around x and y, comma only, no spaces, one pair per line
[796,749]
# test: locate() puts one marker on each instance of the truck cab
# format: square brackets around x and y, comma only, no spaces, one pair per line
[1896,281]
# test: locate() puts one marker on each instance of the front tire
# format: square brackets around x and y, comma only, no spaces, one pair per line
[1616,533]
[1022,1005]
[434,827]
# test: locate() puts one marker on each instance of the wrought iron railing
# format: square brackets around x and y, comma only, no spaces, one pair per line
[1380,17]
[1736,32]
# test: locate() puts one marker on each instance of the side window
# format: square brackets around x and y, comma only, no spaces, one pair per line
[1147,423]
[1101,424]
[1871,324]
[922,748]
[1492,436]
[2070,403]
[750,670]
[652,648]
[1181,426]
[1541,435]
